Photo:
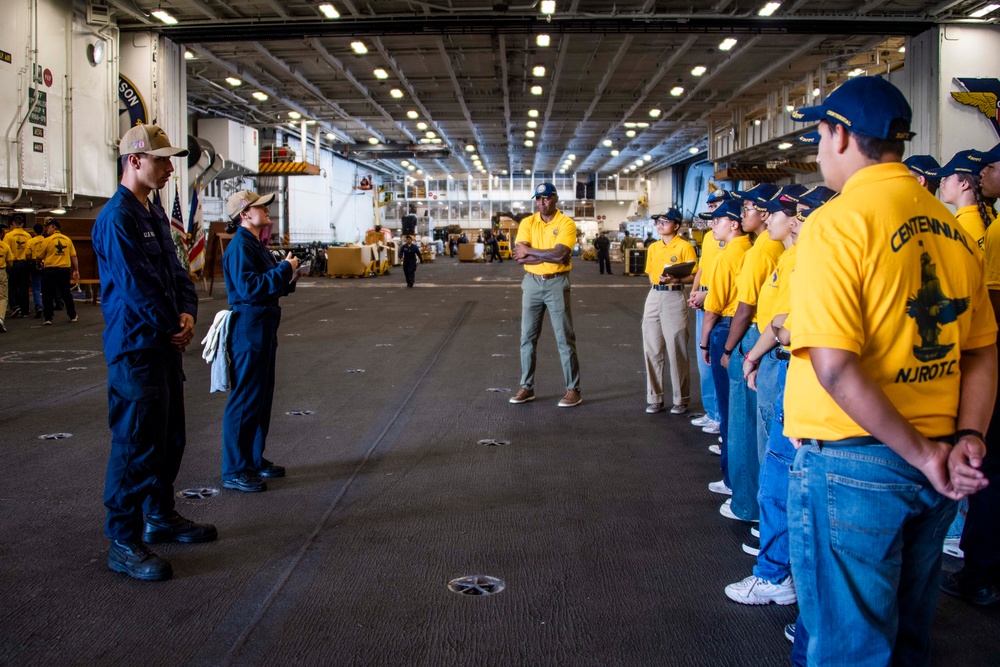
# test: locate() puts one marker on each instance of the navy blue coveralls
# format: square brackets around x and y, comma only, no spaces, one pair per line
[144,291]
[410,256]
[254,283]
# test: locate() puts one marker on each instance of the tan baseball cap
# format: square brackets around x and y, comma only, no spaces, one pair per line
[244,199]
[148,140]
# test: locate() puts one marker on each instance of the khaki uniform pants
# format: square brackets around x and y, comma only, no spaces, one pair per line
[665,340]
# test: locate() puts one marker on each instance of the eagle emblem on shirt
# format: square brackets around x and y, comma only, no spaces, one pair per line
[673,259]
[982,94]
[931,308]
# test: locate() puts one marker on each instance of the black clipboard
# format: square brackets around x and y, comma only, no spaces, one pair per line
[682,270]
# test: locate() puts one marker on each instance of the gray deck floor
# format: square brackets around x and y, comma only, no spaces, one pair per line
[597,517]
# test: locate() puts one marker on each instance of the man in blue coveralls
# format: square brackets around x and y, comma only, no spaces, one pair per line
[149,306]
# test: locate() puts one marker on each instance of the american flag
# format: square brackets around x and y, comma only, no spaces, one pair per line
[196,230]
[176,217]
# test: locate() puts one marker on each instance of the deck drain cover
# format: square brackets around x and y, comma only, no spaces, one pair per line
[623,344]
[499,389]
[299,413]
[501,355]
[503,335]
[324,320]
[198,493]
[55,436]
[476,584]
[383,344]
[350,309]
[293,334]
[493,442]
[77,368]
[355,370]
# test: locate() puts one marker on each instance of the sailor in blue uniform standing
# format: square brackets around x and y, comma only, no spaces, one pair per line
[254,283]
[410,254]
[149,306]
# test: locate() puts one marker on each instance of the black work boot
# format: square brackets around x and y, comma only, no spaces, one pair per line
[173,527]
[269,469]
[131,557]
[246,482]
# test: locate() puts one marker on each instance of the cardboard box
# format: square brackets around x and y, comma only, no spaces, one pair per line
[348,260]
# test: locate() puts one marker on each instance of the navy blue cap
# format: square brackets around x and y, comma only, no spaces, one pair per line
[784,199]
[866,105]
[545,190]
[718,195]
[758,194]
[991,156]
[964,162]
[731,209]
[809,138]
[923,165]
[671,214]
[816,196]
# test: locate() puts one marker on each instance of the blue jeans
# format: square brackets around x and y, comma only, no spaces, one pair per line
[768,393]
[772,497]
[744,461]
[708,400]
[36,288]
[958,525]
[865,533]
[720,376]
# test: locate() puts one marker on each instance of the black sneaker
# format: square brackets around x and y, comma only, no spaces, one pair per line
[270,469]
[245,482]
[131,557]
[175,528]
[971,589]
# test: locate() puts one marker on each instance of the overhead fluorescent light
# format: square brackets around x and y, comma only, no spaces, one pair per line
[165,17]
[58,211]
[529,143]
[694,150]
[790,108]
[630,134]
[816,92]
[530,134]
[474,157]
[188,55]
[329,11]
[233,81]
[768,9]
[615,152]
[294,115]
[503,171]
[412,115]
[396,92]
[405,163]
[533,113]
[902,49]
[258,95]
[359,47]
[629,124]
[548,6]
[421,126]
[536,90]
[677,91]
[654,113]
[542,40]
[430,135]
[856,72]
[698,71]
[470,148]
[26,209]
[647,158]
[784,146]
[527,172]
[642,125]
[983,11]
[373,141]
[380,73]
[532,124]
[607,143]
[727,44]
[331,136]
[538,70]
[571,157]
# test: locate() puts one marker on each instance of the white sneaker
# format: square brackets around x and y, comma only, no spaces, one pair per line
[715,449]
[727,511]
[680,409]
[952,549]
[720,487]
[711,427]
[755,531]
[701,421]
[754,590]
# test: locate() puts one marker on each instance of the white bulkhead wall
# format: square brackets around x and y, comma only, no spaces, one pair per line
[60,147]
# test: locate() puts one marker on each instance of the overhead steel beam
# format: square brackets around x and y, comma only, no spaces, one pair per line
[461,99]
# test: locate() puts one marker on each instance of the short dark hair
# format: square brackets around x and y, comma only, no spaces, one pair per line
[874,148]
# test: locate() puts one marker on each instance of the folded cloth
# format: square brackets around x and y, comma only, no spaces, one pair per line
[216,351]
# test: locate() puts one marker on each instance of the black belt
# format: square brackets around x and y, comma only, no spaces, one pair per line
[668,288]
[781,355]
[547,276]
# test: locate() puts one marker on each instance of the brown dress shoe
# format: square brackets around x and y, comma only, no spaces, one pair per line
[571,398]
[523,395]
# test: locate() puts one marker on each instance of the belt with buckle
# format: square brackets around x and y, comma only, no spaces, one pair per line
[781,355]
[668,288]
[546,276]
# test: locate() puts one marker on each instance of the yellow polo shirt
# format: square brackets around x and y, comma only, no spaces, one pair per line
[969,218]
[35,247]
[57,250]
[760,262]
[6,257]
[543,235]
[887,273]
[721,296]
[660,255]
[17,240]
[710,249]
[773,299]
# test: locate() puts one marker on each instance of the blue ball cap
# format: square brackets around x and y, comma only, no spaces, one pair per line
[718,195]
[731,209]
[964,162]
[816,196]
[545,190]
[866,105]
[671,214]
[784,199]
[990,156]
[923,165]
[758,194]
[808,138]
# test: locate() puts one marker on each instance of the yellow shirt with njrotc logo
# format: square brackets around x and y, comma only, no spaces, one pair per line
[710,249]
[542,235]
[993,257]
[662,254]
[6,257]
[969,218]
[35,247]
[773,299]
[888,274]
[17,240]
[760,262]
[57,250]
[721,296]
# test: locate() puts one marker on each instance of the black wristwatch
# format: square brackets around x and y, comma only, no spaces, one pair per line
[727,353]
[962,432]
[704,347]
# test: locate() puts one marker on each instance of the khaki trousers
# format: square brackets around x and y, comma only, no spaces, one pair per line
[665,340]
